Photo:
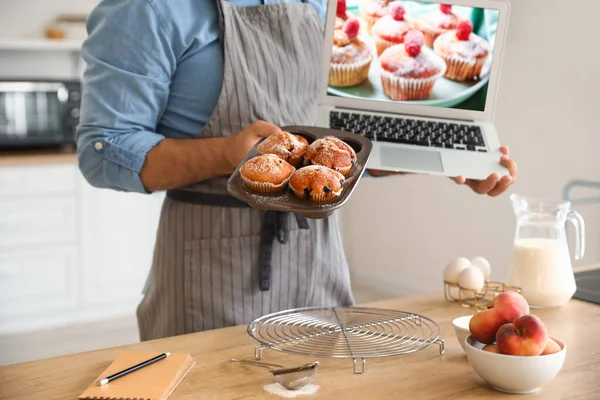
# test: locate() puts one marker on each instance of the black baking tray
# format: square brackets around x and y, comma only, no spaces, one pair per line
[285,200]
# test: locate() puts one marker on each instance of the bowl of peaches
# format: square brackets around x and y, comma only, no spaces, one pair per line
[511,349]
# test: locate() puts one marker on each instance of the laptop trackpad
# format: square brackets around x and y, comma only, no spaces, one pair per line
[402,158]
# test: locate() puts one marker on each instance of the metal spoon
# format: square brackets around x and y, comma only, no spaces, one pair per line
[292,378]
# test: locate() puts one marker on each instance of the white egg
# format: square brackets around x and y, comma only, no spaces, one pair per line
[454,268]
[471,278]
[484,266]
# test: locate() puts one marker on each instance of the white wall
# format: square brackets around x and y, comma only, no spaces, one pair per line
[400,232]
[29,18]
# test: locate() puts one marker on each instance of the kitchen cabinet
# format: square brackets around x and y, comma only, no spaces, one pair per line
[117,242]
[70,252]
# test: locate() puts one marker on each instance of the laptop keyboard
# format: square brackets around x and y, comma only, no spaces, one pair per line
[410,131]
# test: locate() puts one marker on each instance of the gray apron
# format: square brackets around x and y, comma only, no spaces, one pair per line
[218,262]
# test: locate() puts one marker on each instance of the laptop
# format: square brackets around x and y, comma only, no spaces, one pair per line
[445,130]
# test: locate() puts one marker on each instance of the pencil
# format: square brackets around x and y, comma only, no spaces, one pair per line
[132,369]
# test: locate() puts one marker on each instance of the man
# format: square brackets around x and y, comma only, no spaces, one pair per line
[175,95]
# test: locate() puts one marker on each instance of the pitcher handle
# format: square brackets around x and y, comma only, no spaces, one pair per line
[577,221]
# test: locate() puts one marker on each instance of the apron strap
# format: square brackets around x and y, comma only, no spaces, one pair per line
[221,25]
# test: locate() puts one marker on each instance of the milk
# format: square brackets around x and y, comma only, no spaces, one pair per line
[542,269]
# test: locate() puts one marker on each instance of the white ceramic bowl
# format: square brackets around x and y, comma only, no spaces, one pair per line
[461,328]
[514,374]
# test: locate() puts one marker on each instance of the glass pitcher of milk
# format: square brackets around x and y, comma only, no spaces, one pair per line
[541,264]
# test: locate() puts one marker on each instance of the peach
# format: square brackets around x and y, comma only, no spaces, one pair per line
[484,325]
[526,336]
[551,347]
[492,348]
[510,305]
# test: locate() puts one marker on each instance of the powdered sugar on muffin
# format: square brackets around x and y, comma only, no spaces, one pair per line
[317,183]
[332,152]
[266,173]
[286,145]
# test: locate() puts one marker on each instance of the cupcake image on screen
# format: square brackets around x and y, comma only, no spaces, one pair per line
[410,70]
[371,10]
[341,15]
[436,22]
[465,53]
[350,56]
[391,29]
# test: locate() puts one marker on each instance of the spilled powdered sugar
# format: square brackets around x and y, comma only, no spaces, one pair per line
[277,389]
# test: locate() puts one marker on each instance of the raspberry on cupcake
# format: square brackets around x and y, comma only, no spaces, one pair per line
[341,14]
[317,183]
[409,70]
[465,53]
[333,153]
[350,56]
[437,21]
[371,10]
[266,173]
[390,29]
[287,146]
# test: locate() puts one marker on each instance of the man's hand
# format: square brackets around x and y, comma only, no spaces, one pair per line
[494,185]
[175,163]
[240,144]
[378,172]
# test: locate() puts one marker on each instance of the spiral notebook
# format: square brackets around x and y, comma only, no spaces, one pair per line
[154,382]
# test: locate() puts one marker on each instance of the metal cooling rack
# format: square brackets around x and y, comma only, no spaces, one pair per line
[344,332]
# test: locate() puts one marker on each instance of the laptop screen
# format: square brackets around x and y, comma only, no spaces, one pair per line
[420,53]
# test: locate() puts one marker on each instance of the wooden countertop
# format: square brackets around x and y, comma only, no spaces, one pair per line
[37,157]
[422,375]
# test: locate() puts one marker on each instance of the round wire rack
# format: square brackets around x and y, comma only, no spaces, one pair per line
[355,333]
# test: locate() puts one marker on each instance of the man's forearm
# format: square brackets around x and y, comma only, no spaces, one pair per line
[175,163]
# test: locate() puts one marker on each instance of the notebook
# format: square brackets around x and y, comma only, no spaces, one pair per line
[154,382]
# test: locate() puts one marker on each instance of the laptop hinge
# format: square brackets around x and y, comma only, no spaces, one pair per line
[402,114]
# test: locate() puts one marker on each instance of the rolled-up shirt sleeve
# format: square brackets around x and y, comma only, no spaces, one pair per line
[129,63]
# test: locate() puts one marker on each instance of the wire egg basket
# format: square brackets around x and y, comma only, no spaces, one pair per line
[477,299]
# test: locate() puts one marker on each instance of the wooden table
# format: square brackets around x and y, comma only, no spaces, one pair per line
[422,375]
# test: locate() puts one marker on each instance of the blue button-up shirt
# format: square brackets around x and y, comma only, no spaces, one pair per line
[154,71]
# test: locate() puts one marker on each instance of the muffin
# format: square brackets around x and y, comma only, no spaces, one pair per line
[465,53]
[266,173]
[409,71]
[317,183]
[371,10]
[333,153]
[390,29]
[436,22]
[287,146]
[350,57]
